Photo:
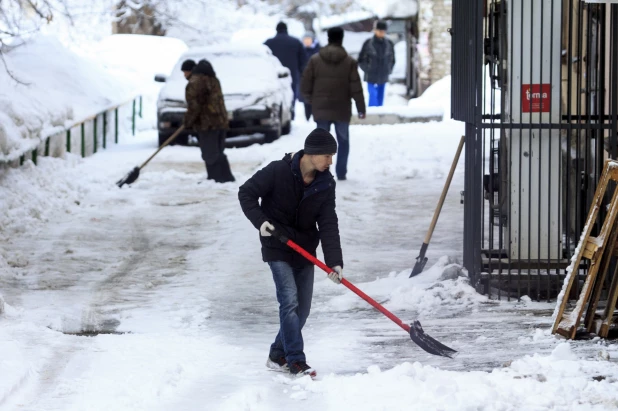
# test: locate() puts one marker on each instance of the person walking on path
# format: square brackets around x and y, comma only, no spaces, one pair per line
[297,197]
[312,46]
[207,116]
[377,59]
[329,83]
[291,53]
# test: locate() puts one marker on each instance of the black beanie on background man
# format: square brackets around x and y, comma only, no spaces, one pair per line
[335,35]
[187,65]
[381,25]
[282,27]
[320,141]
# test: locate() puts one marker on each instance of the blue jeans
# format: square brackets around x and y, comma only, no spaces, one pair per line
[376,94]
[342,129]
[294,292]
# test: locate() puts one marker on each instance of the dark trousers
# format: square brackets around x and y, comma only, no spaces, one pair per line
[294,288]
[342,130]
[294,98]
[212,144]
[308,111]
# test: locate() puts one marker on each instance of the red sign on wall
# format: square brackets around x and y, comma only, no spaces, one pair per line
[535,98]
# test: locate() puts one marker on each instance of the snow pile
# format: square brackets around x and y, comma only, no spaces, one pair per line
[56,87]
[138,57]
[538,336]
[31,193]
[443,286]
[556,381]
[437,98]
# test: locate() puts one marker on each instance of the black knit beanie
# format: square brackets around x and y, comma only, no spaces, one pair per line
[187,65]
[320,141]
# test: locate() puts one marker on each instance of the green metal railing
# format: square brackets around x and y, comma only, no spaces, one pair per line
[94,120]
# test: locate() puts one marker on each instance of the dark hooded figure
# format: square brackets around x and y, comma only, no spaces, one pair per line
[207,116]
[330,83]
[291,53]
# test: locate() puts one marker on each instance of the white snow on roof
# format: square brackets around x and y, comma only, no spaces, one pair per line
[383,9]
[327,22]
[391,8]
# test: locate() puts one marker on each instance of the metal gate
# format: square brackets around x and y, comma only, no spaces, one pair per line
[536,82]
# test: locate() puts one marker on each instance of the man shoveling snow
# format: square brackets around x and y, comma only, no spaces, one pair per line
[297,193]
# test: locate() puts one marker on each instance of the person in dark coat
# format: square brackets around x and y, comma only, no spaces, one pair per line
[297,197]
[207,116]
[312,46]
[377,59]
[329,83]
[291,53]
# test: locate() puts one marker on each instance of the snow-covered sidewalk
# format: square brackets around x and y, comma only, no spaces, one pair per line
[169,271]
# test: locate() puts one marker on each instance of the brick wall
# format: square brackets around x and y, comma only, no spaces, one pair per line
[440,40]
[434,40]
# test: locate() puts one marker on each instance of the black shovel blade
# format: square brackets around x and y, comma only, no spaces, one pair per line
[427,343]
[129,178]
[419,266]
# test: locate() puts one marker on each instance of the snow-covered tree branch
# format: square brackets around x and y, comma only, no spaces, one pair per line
[21,18]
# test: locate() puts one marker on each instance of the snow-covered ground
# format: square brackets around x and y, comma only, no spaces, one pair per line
[170,272]
[154,296]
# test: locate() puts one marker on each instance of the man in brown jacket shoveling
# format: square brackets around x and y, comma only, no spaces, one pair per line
[329,82]
[207,116]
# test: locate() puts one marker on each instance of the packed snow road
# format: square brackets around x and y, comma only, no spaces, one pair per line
[155,296]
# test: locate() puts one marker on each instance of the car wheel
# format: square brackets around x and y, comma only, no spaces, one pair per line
[163,137]
[272,135]
[287,129]
[180,140]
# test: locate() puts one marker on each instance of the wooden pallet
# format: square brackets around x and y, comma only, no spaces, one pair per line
[592,321]
[599,251]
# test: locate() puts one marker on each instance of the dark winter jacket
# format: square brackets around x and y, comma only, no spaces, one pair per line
[377,59]
[294,209]
[329,83]
[291,53]
[205,104]
[309,52]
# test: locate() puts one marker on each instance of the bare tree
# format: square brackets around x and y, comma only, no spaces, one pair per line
[141,17]
[19,19]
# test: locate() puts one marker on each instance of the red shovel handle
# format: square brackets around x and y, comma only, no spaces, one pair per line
[345,282]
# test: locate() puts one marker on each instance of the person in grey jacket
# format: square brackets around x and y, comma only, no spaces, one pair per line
[377,59]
